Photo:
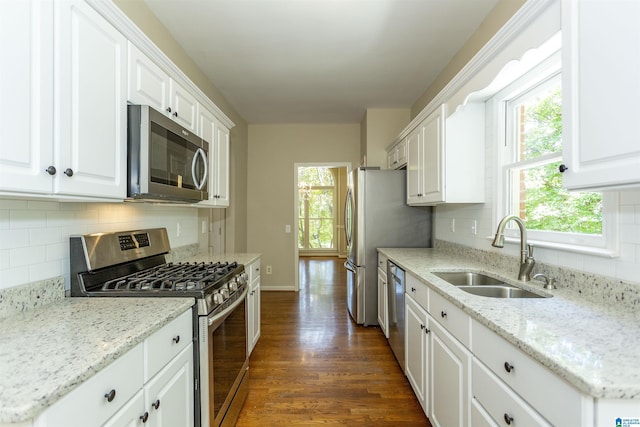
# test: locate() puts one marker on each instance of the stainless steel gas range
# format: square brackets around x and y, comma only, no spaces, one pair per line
[133,264]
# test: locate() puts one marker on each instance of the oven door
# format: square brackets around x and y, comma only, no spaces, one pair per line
[224,387]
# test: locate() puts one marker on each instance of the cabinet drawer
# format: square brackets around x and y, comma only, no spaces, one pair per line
[89,404]
[552,397]
[500,402]
[253,270]
[456,321]
[165,344]
[418,290]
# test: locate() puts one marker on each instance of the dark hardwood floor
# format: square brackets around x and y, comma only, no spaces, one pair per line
[314,366]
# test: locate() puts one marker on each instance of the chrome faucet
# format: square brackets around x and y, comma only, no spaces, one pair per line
[526,251]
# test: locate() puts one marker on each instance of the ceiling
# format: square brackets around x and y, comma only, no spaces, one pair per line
[320,61]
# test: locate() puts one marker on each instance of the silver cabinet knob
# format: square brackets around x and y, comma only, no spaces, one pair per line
[51,170]
[68,172]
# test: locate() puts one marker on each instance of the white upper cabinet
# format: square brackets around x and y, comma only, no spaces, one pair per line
[64,131]
[217,136]
[601,130]
[90,119]
[147,83]
[445,158]
[26,88]
[150,85]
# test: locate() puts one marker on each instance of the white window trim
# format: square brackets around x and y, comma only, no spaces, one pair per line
[605,245]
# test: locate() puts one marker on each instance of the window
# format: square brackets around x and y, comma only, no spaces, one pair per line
[530,131]
[316,207]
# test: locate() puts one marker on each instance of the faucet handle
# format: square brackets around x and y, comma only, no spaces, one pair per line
[549,282]
[530,251]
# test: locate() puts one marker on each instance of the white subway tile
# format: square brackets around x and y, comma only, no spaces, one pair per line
[4,260]
[628,271]
[57,251]
[631,197]
[630,233]
[43,205]
[13,204]
[27,219]
[14,238]
[60,218]
[14,277]
[44,270]
[4,219]
[45,236]
[21,257]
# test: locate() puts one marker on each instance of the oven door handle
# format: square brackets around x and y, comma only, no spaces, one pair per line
[219,317]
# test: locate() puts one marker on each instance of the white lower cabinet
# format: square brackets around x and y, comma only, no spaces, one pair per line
[151,385]
[500,402]
[495,385]
[253,306]
[383,295]
[450,370]
[417,350]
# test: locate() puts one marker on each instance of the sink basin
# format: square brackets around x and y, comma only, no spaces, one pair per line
[485,286]
[500,292]
[465,278]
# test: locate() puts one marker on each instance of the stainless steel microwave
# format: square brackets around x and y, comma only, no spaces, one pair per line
[165,162]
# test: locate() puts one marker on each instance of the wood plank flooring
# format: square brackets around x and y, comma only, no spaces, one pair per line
[314,366]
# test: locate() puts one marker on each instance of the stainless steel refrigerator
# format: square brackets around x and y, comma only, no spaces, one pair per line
[377,215]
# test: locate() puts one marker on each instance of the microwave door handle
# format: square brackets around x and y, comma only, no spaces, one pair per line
[200,152]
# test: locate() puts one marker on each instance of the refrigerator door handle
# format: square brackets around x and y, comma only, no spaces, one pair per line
[349,266]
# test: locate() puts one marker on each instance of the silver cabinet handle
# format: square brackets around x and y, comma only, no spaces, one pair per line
[199,153]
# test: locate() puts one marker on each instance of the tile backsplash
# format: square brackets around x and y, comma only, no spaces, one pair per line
[34,235]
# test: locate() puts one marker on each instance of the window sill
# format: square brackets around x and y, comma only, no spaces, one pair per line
[565,247]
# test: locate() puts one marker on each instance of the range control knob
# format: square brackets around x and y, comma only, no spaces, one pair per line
[233,286]
[224,292]
[218,298]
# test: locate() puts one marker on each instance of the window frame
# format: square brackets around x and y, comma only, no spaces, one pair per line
[545,72]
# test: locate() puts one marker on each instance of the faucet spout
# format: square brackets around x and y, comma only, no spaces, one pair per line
[526,251]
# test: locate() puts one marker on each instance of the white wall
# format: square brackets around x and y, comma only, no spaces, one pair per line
[34,235]
[625,267]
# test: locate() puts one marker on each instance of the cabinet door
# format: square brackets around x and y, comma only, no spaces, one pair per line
[417,347]
[90,119]
[169,395]
[450,367]
[132,414]
[147,83]
[26,90]
[221,173]
[414,168]
[184,107]
[601,131]
[254,313]
[383,301]
[432,157]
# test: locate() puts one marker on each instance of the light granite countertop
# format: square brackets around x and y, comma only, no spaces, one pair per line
[594,345]
[48,351]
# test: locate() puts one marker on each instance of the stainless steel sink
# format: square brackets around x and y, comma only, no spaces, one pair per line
[500,292]
[465,278]
[485,286]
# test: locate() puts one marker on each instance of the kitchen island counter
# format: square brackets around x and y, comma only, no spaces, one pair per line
[592,344]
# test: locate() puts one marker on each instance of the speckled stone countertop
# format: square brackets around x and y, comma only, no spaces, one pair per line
[48,351]
[593,345]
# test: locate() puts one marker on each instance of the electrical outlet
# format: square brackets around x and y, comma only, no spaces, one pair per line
[178,229]
[474,227]
[269,270]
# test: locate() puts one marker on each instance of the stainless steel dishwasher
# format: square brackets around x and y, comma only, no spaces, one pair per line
[396,311]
